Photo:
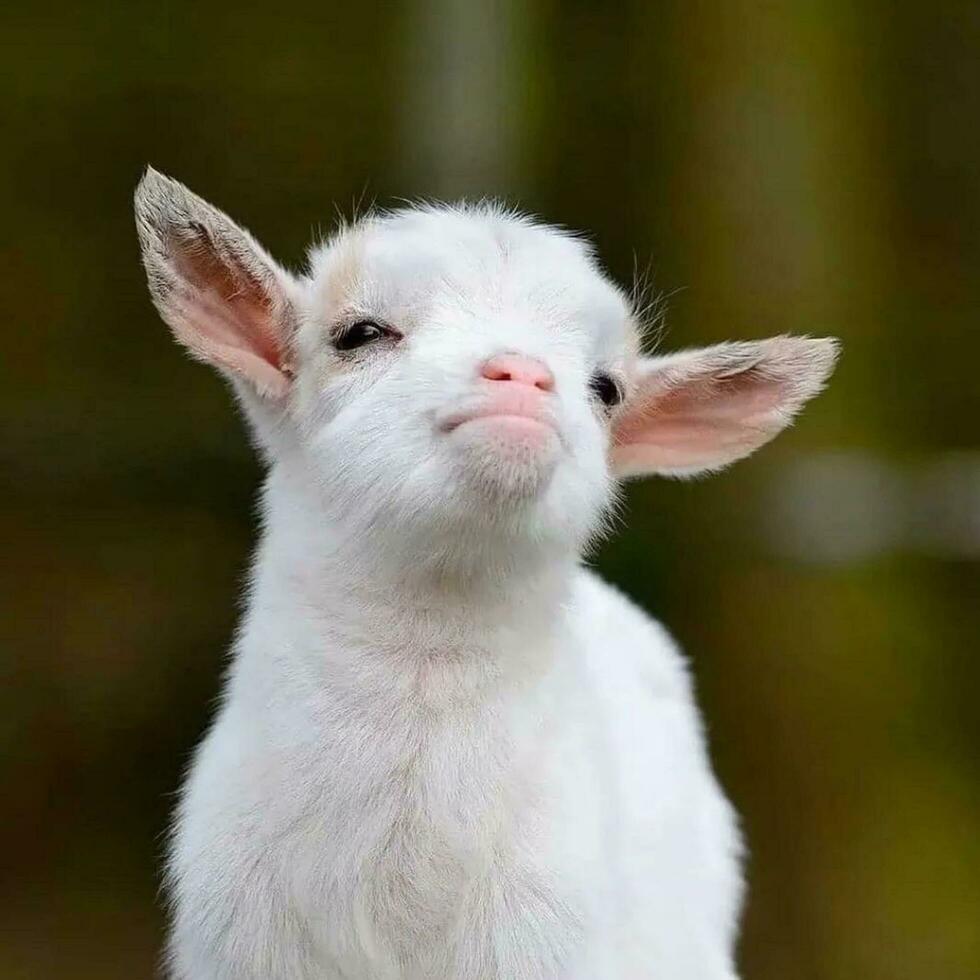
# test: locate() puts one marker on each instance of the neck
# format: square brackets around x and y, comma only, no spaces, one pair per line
[352,589]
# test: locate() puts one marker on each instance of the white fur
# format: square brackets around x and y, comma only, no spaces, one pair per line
[446,750]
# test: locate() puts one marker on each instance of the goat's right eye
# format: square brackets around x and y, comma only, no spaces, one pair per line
[359,334]
[606,389]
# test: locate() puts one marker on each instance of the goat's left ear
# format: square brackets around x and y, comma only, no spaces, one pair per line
[700,410]
[225,299]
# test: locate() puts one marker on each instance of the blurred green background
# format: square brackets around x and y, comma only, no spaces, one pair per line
[809,167]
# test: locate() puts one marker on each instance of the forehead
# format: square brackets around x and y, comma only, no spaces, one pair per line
[479,257]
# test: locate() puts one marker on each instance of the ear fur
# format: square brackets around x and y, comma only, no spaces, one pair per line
[700,410]
[225,299]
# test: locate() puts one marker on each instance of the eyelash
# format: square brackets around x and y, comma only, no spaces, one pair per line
[606,389]
[362,333]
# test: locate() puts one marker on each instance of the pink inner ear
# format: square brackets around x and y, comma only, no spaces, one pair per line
[699,423]
[227,314]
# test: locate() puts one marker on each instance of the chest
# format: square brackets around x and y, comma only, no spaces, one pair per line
[443,838]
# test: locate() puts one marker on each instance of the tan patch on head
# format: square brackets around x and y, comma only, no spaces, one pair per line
[344,270]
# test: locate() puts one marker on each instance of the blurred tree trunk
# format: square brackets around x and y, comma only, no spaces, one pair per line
[463,119]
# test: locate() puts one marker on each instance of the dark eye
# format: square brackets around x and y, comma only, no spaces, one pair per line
[605,389]
[359,335]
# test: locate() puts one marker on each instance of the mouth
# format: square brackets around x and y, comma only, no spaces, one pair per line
[505,441]
[519,414]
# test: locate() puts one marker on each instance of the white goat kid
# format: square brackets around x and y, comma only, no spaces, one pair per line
[446,750]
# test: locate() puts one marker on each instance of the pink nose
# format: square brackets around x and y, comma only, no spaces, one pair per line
[520,370]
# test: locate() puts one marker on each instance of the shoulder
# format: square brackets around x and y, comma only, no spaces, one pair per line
[621,636]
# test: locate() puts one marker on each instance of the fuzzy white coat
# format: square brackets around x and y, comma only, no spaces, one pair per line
[447,750]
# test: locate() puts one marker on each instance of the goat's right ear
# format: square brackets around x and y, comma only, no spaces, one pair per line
[225,299]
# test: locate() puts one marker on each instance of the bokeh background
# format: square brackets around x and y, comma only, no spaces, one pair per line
[800,166]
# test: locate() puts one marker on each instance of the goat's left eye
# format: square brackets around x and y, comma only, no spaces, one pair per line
[359,335]
[606,389]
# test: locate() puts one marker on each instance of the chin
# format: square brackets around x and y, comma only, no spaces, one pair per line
[508,461]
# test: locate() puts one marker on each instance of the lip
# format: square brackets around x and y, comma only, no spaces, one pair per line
[516,406]
[514,425]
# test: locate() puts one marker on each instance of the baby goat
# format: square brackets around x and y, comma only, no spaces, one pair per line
[447,750]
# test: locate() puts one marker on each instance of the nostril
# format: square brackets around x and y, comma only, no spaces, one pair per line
[493,372]
[520,370]
[545,381]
